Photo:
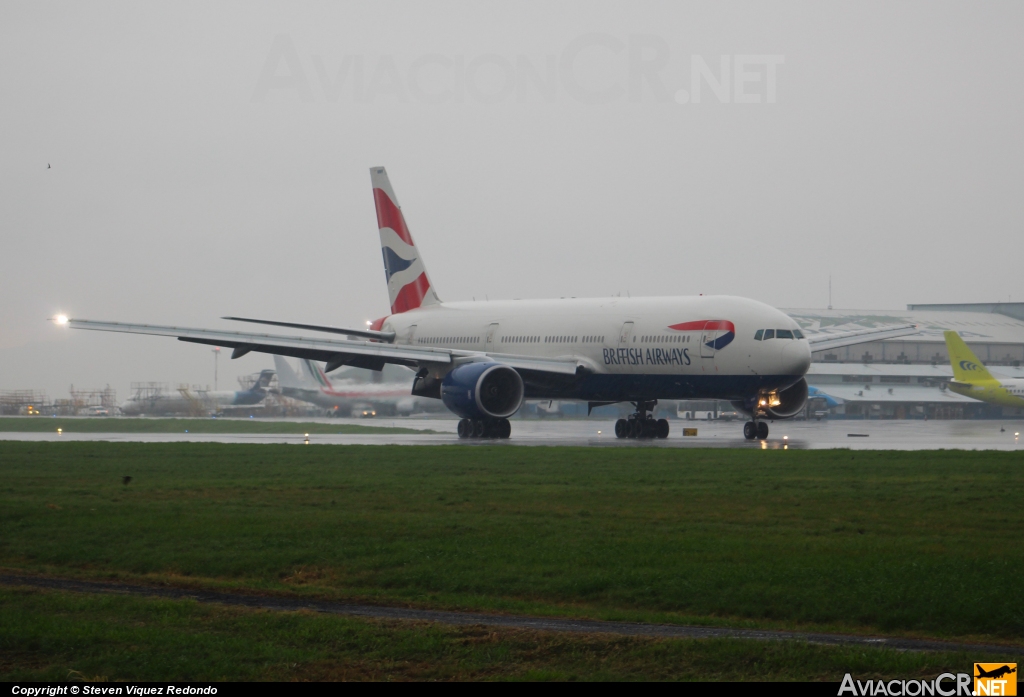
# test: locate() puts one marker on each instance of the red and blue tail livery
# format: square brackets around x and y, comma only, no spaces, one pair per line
[409,286]
[717,333]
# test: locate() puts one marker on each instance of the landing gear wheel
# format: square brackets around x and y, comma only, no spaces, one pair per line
[465,428]
[650,428]
[641,424]
[636,428]
[478,428]
[762,430]
[621,428]
[750,430]
[504,428]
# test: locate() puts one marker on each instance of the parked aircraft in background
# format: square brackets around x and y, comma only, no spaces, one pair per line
[187,400]
[348,397]
[482,359]
[830,401]
[972,379]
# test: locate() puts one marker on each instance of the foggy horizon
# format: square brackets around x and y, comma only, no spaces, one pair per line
[176,164]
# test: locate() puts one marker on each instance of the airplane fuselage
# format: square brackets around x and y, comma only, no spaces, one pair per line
[1007,392]
[695,347]
[382,397]
[175,402]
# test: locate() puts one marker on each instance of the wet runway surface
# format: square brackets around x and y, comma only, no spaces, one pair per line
[859,435]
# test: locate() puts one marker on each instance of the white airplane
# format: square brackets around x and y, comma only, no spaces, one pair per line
[184,401]
[311,384]
[482,359]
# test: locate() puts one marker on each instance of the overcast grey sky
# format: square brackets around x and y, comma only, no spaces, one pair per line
[212,159]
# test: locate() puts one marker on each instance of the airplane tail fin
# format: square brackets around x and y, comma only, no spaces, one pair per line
[966,366]
[286,376]
[264,380]
[313,376]
[409,287]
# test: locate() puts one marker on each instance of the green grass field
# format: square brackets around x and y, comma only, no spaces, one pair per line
[908,543]
[47,636]
[43,424]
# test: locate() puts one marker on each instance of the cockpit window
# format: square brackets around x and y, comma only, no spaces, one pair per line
[759,335]
[783,334]
[798,334]
[769,334]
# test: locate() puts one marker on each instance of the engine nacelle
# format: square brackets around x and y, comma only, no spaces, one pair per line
[779,404]
[482,390]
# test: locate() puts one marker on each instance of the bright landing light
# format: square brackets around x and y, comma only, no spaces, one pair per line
[61,319]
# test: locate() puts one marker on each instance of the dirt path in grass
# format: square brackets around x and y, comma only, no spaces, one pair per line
[515,621]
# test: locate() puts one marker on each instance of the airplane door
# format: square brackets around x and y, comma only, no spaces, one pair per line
[410,334]
[624,334]
[492,331]
[626,342]
[707,340]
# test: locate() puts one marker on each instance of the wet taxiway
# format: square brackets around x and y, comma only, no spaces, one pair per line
[859,435]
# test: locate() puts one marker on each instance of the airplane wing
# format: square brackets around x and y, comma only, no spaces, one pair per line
[335,352]
[824,341]
[364,333]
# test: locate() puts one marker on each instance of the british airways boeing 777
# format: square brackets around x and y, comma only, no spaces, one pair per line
[482,359]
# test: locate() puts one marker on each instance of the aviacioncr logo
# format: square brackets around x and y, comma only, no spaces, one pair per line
[969,365]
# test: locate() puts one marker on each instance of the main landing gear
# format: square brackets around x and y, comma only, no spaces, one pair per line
[755,430]
[641,424]
[484,428]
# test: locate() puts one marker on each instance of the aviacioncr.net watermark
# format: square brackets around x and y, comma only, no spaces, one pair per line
[589,69]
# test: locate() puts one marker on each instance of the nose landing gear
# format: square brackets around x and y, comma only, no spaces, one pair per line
[642,424]
[484,428]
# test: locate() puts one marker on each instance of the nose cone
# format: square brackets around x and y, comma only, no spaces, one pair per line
[796,357]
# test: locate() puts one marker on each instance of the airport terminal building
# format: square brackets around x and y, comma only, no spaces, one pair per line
[907,377]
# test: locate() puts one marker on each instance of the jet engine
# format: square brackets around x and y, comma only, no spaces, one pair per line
[777,404]
[485,390]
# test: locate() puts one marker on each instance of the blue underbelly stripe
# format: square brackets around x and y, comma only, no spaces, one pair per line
[598,388]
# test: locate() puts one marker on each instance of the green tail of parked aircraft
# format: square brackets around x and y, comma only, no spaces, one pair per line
[972,379]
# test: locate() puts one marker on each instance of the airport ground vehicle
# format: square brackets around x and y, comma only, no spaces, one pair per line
[482,359]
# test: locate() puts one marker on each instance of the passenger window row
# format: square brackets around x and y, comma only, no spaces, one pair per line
[666,339]
[447,340]
[765,334]
[433,340]
[571,339]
